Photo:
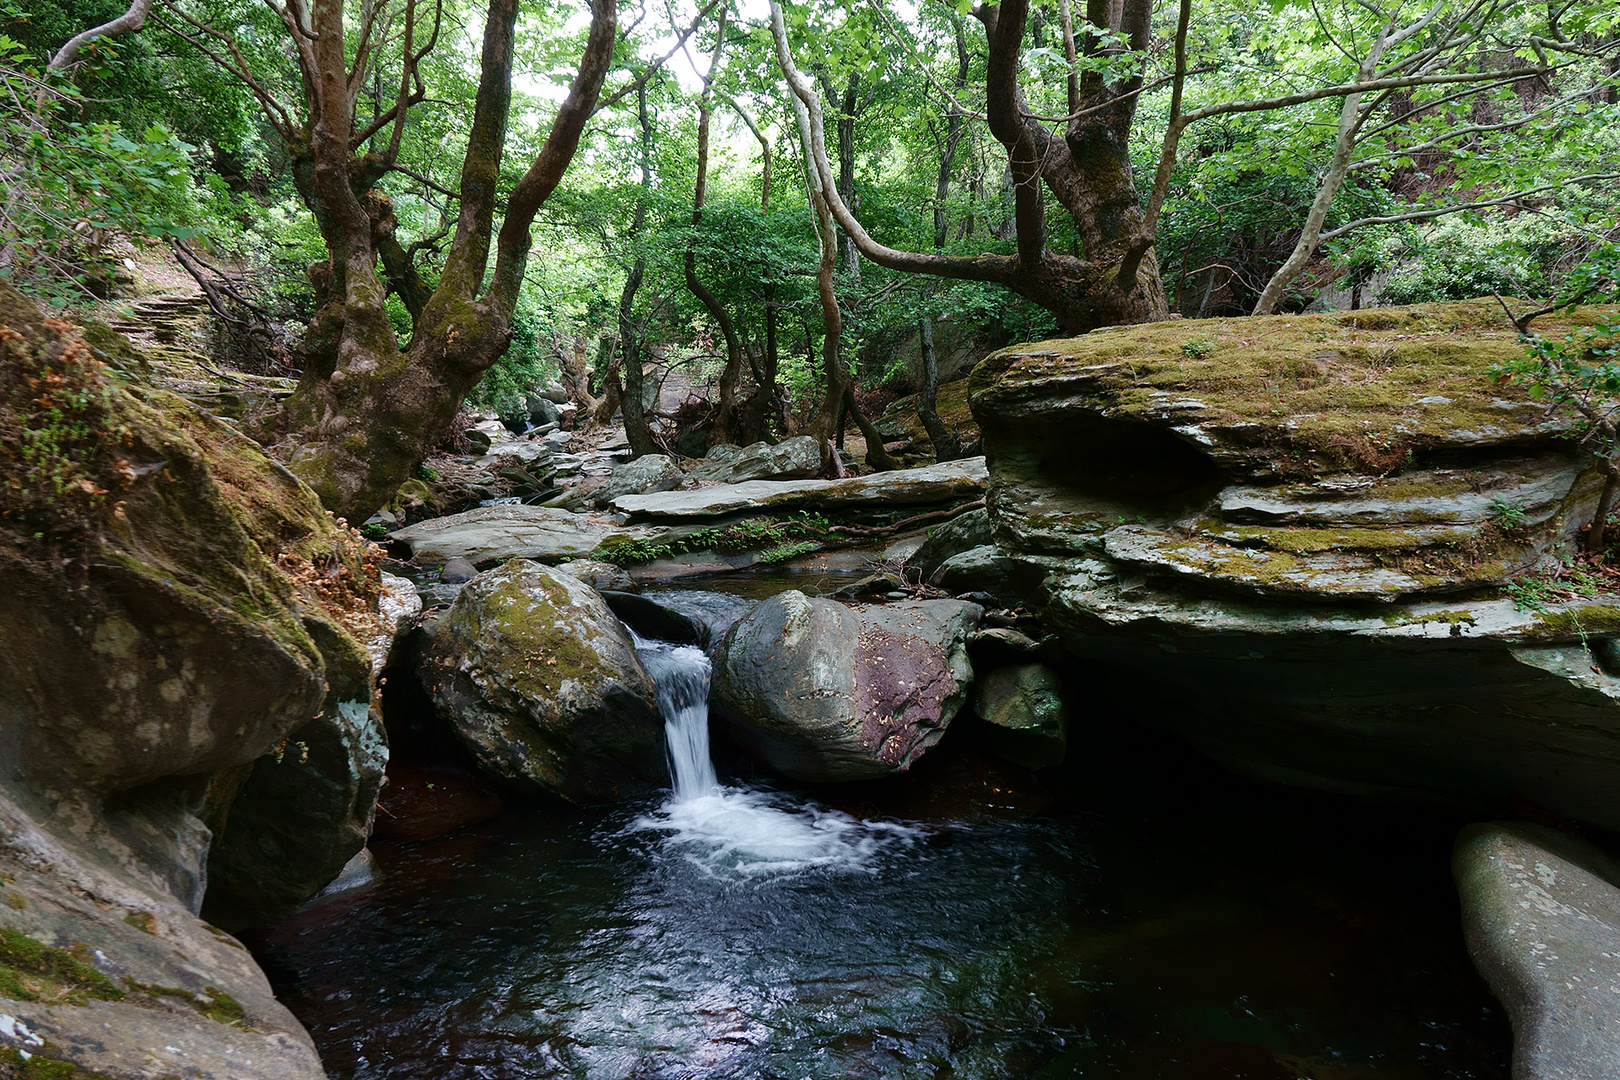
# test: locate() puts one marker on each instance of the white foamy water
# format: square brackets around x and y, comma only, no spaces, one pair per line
[741,831]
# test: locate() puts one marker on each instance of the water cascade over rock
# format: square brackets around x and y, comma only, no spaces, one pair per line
[741,831]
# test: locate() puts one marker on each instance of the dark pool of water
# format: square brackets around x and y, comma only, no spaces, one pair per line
[1142,916]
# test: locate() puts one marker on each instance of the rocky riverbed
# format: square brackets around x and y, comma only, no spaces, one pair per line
[1326,552]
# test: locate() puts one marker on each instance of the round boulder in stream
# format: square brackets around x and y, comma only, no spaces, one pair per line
[826,691]
[539,679]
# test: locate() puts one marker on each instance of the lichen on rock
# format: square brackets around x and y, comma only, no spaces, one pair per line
[1293,543]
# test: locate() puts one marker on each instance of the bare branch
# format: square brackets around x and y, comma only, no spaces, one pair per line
[1441,211]
[641,80]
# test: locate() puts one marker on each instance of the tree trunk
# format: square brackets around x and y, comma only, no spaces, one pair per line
[1118,280]
[1597,532]
[576,377]
[725,421]
[632,401]
[365,413]
[840,395]
[1351,116]
[946,448]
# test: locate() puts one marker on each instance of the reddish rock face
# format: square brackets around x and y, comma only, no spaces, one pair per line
[826,691]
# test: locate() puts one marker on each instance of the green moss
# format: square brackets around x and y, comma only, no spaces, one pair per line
[212,1003]
[1307,541]
[144,921]
[1445,618]
[1358,389]
[14,1066]
[1576,621]
[16,901]
[33,971]
[766,535]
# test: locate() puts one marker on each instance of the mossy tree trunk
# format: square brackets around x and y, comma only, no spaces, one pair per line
[369,408]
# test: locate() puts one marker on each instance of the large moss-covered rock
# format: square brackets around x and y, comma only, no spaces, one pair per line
[826,691]
[177,605]
[541,682]
[1541,912]
[1290,538]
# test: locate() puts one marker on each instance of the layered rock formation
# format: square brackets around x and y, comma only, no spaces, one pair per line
[1289,538]
[177,606]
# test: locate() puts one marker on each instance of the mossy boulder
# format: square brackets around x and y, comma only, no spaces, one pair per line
[1291,538]
[824,691]
[540,681]
[177,605]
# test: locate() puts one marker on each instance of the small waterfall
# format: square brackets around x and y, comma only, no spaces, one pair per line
[681,674]
[741,832]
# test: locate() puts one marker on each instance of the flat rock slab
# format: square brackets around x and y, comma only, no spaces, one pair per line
[522,532]
[964,479]
[1541,912]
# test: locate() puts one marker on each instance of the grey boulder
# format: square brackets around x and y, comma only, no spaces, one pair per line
[540,681]
[825,691]
[797,458]
[1541,913]
[954,481]
[644,475]
[962,533]
[505,532]
[601,576]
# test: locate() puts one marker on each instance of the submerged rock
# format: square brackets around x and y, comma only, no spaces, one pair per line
[541,683]
[1310,587]
[797,458]
[713,612]
[824,691]
[1541,912]
[654,621]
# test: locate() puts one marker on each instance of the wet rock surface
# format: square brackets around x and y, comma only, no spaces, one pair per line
[539,680]
[826,691]
[1025,709]
[1541,912]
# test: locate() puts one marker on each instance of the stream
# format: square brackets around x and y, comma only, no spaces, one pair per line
[1139,914]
